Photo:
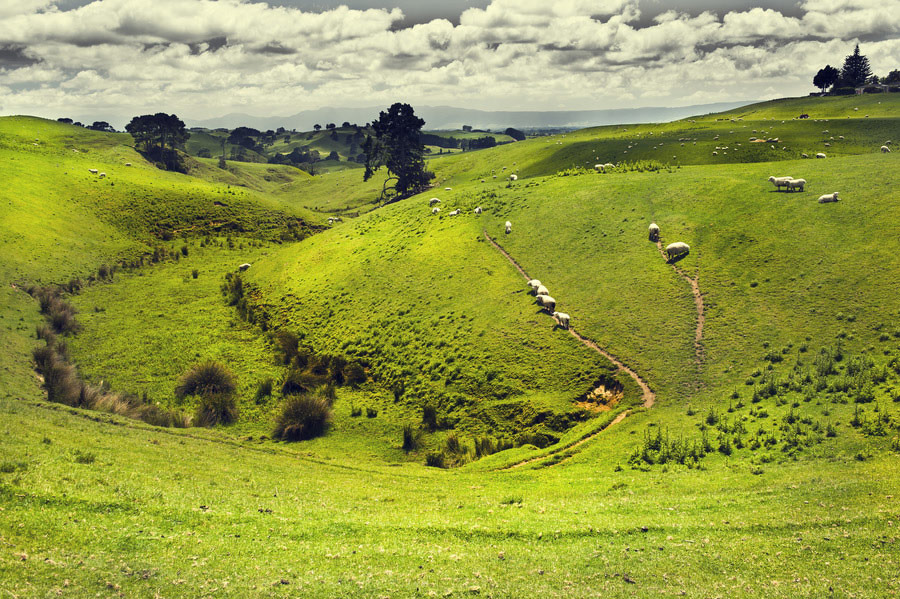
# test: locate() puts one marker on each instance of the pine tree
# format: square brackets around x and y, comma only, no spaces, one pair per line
[856,69]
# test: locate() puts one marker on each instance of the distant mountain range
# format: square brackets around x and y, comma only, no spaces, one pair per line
[448,117]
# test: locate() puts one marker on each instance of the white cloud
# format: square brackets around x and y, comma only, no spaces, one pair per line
[201,58]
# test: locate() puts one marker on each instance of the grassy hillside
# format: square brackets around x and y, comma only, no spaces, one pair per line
[766,465]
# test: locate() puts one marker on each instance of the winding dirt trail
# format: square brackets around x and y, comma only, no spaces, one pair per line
[698,301]
[647,394]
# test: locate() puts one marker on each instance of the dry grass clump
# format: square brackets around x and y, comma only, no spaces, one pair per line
[304,416]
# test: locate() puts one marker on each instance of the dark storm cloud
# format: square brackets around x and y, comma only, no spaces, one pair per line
[15,57]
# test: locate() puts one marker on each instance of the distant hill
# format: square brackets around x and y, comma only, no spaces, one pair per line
[448,117]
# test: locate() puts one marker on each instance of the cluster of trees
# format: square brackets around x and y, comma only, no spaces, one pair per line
[96,125]
[855,72]
[431,139]
[159,136]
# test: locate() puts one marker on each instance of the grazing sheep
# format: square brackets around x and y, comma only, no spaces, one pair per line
[448,189]
[478,210]
[455,212]
[330,220]
[804,155]
[654,232]
[102,175]
[534,284]
[435,210]
[244,266]
[820,155]
[92,171]
[541,290]
[433,201]
[562,318]
[676,249]
[547,302]
[127,164]
[598,167]
[780,182]
[828,197]
[885,149]
[513,178]
[508,227]
[796,184]
[609,165]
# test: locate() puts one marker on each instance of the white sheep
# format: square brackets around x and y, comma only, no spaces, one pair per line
[513,178]
[102,175]
[547,302]
[796,184]
[885,150]
[92,171]
[454,213]
[448,189]
[676,249]
[828,197]
[477,210]
[534,284]
[435,210]
[820,155]
[609,165]
[244,266]
[562,318]
[541,290]
[433,201]
[598,167]
[804,155]
[127,164]
[780,182]
[654,232]
[508,227]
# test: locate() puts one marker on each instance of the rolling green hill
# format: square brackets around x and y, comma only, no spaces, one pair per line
[763,463]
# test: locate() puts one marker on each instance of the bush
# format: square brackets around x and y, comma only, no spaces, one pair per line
[429,416]
[354,374]
[371,412]
[206,379]
[435,459]
[412,438]
[302,417]
[263,390]
[298,381]
[287,344]
[216,408]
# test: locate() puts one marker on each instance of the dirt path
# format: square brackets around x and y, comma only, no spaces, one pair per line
[647,394]
[698,301]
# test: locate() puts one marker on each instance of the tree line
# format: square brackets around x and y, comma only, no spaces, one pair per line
[855,72]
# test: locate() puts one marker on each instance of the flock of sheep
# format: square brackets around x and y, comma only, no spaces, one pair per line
[543,299]
[792,184]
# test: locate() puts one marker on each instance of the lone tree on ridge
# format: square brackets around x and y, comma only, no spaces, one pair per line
[398,146]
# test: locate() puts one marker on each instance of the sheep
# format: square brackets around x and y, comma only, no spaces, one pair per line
[828,197]
[92,171]
[433,201]
[609,165]
[541,290]
[780,182]
[654,232]
[102,175]
[804,155]
[455,212]
[820,155]
[244,266]
[330,220]
[598,167]
[435,210]
[508,227]
[676,249]
[448,189]
[513,178]
[127,164]
[478,210]
[796,184]
[534,284]
[885,150]
[546,302]
[562,318]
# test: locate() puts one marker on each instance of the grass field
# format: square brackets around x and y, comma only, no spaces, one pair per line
[767,465]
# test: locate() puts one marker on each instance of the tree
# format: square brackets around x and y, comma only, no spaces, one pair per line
[856,69]
[317,126]
[159,134]
[892,77]
[65,120]
[345,124]
[330,126]
[333,155]
[102,126]
[397,145]
[826,77]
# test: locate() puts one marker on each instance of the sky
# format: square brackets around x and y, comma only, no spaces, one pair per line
[112,59]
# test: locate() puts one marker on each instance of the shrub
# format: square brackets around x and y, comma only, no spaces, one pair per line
[435,459]
[61,382]
[42,331]
[302,417]
[429,416]
[412,438]
[287,344]
[298,381]
[184,250]
[195,273]
[354,374]
[206,379]
[371,412]
[214,409]
[354,411]
[263,390]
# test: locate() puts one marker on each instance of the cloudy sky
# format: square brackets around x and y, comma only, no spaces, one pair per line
[111,59]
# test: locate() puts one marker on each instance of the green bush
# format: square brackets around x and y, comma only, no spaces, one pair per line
[435,459]
[263,390]
[206,379]
[302,417]
[298,381]
[215,409]
[412,438]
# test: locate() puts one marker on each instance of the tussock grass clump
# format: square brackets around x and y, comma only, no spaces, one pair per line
[215,409]
[435,459]
[206,379]
[264,390]
[412,438]
[303,417]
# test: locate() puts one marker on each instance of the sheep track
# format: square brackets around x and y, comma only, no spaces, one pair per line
[698,301]
[647,394]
